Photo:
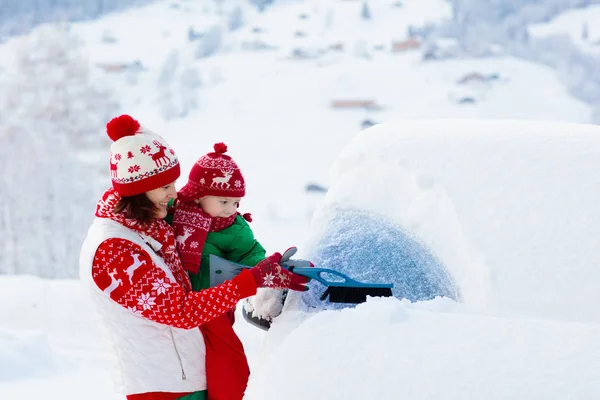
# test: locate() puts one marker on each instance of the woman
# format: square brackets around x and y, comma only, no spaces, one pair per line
[131,266]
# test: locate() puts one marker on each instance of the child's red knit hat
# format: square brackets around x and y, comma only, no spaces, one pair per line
[214,174]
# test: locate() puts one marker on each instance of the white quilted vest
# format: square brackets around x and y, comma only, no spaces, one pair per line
[149,357]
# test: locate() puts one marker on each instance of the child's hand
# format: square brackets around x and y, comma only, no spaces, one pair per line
[287,262]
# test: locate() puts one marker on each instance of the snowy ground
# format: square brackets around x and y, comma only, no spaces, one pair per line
[50,341]
[274,112]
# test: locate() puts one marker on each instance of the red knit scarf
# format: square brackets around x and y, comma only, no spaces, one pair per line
[191,226]
[158,230]
[219,223]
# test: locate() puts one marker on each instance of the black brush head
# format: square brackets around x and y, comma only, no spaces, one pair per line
[354,295]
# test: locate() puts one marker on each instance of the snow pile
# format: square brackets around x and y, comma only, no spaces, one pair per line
[388,349]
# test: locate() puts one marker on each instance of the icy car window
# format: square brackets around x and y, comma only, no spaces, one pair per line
[370,249]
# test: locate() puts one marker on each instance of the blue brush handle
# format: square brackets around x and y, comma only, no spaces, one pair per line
[315,273]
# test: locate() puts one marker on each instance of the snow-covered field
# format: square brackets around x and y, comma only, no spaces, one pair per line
[274,111]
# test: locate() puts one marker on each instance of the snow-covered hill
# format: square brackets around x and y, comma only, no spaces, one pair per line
[292,85]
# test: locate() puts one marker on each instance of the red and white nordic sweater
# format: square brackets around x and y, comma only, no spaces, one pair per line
[138,268]
[127,272]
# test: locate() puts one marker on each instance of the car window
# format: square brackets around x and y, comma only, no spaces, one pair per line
[369,248]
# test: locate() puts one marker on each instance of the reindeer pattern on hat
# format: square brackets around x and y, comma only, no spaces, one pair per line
[218,174]
[214,174]
[148,159]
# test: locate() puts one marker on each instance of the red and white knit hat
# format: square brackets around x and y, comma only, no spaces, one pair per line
[140,160]
[214,174]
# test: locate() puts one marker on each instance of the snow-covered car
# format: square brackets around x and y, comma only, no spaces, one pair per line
[489,232]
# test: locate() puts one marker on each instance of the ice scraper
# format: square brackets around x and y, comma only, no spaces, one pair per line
[344,290]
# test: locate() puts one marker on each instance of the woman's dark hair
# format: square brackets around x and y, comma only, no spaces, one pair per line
[138,207]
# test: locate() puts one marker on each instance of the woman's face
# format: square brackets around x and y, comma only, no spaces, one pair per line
[160,198]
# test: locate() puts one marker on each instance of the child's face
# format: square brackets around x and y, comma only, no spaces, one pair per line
[219,206]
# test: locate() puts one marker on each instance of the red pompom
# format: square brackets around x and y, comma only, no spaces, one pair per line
[220,148]
[121,126]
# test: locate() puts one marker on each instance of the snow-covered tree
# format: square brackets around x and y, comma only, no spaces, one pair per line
[236,19]
[20,16]
[210,42]
[178,85]
[51,115]
[365,12]
[54,79]
[261,5]
[585,32]
[219,6]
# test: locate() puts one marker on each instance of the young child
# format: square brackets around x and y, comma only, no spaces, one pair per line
[206,221]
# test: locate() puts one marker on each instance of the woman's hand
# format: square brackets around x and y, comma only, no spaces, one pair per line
[269,273]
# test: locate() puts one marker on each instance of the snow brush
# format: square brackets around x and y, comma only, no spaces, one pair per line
[347,290]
